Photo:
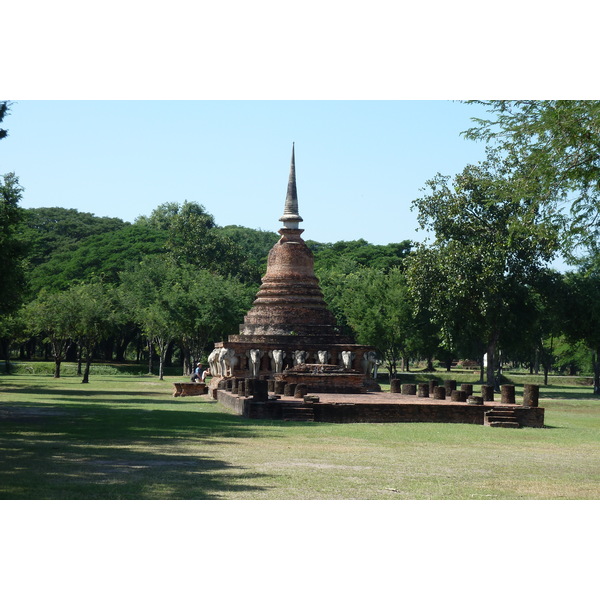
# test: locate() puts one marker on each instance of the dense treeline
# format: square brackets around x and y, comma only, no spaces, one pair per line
[163,289]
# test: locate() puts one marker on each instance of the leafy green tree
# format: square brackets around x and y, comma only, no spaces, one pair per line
[53,316]
[557,143]
[581,317]
[104,254]
[255,243]
[145,290]
[209,308]
[571,358]
[11,328]
[12,247]
[96,317]
[194,239]
[56,230]
[332,281]
[378,308]
[173,302]
[362,253]
[490,245]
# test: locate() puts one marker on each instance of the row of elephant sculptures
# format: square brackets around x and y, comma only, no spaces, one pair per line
[222,361]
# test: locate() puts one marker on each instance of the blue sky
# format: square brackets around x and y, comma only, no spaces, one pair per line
[359,164]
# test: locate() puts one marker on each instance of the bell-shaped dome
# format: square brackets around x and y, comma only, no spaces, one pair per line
[289,301]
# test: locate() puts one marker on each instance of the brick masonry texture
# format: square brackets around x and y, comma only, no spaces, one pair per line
[350,410]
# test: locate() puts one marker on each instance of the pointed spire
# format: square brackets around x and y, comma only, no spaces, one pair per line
[291,218]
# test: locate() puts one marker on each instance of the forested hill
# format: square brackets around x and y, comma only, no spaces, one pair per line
[68,246]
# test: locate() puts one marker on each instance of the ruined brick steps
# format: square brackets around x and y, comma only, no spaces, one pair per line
[298,413]
[501,417]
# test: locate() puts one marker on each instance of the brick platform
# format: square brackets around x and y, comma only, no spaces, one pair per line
[380,407]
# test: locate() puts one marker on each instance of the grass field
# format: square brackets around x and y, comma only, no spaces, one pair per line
[126,437]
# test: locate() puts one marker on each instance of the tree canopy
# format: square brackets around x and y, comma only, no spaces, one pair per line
[12,246]
[490,245]
[556,143]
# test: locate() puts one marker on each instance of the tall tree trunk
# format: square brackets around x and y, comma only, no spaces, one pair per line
[6,351]
[169,354]
[121,346]
[149,357]
[88,363]
[57,362]
[79,359]
[187,368]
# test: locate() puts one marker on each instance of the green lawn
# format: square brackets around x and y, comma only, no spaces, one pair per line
[126,437]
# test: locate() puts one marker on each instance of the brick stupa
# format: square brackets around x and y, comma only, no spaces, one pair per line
[289,329]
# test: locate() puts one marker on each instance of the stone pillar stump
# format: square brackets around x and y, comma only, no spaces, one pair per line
[301,390]
[487,393]
[458,396]
[409,389]
[531,395]
[423,390]
[395,386]
[450,385]
[439,392]
[507,394]
[467,388]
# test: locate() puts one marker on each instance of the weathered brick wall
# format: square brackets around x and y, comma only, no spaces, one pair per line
[339,383]
[379,413]
[397,413]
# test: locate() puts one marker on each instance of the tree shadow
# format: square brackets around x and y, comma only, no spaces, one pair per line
[80,451]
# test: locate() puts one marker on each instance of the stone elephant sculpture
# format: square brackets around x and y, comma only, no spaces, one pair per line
[323,356]
[347,358]
[369,362]
[227,361]
[254,355]
[213,362]
[300,357]
[277,357]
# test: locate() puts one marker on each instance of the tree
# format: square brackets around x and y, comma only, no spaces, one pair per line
[145,291]
[491,243]
[378,308]
[194,239]
[55,230]
[557,143]
[361,253]
[209,308]
[96,316]
[11,328]
[172,302]
[255,243]
[581,317]
[12,248]
[103,254]
[53,316]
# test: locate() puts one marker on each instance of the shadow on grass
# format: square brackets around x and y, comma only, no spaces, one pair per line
[80,451]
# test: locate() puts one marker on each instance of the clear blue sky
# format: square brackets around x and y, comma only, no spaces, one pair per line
[359,164]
